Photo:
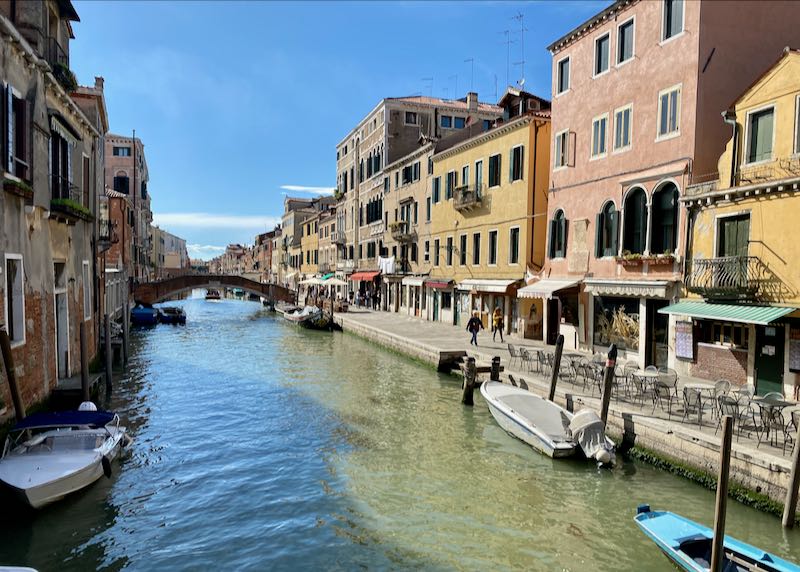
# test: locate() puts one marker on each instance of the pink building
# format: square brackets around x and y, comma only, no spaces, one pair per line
[638,92]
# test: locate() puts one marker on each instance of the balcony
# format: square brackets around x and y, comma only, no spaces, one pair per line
[344,265]
[467,198]
[376,228]
[726,278]
[324,267]
[401,232]
[338,237]
[67,201]
[55,54]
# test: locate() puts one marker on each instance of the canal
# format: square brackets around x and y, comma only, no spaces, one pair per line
[261,446]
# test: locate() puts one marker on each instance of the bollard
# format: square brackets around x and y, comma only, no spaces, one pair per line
[556,365]
[721,505]
[790,507]
[125,333]
[470,375]
[107,348]
[8,361]
[494,375]
[85,389]
[608,382]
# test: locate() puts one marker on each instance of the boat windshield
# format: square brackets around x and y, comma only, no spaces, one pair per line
[47,443]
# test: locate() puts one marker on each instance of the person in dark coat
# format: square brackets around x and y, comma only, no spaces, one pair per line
[474,326]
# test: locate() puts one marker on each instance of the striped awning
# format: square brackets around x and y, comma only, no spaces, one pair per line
[741,313]
[545,288]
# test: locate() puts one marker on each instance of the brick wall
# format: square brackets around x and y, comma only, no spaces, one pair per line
[717,362]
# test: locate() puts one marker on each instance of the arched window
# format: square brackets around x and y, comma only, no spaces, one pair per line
[664,232]
[635,231]
[558,235]
[606,231]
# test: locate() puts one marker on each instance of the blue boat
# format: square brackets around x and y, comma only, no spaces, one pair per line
[142,315]
[688,545]
[172,315]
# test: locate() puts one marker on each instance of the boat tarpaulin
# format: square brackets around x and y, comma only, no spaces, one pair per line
[65,419]
[545,288]
[742,313]
[364,276]
[441,284]
[493,286]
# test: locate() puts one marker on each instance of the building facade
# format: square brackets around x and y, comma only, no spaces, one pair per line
[169,255]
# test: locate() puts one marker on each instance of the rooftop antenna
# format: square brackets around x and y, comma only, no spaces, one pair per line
[520,17]
[495,87]
[471,71]
[508,43]
[455,91]
[429,85]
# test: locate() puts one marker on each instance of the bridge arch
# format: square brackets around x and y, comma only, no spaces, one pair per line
[159,290]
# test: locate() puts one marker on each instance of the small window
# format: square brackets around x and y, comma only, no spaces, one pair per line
[451,183]
[625,42]
[517,163]
[87,291]
[436,252]
[492,247]
[447,121]
[427,209]
[561,139]
[759,140]
[126,151]
[122,185]
[673,18]
[458,122]
[465,175]
[427,253]
[436,190]
[599,131]
[733,234]
[487,124]
[411,118]
[476,248]
[622,128]
[14,298]
[558,235]
[462,258]
[602,52]
[513,245]
[494,171]
[669,109]
[562,76]
[449,250]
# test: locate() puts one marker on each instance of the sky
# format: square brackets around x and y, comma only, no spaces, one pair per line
[240,103]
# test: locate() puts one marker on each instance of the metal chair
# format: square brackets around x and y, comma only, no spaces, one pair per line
[693,399]
[524,358]
[513,353]
[641,390]
[773,425]
[730,406]
[669,377]
[721,387]
[664,392]
[774,395]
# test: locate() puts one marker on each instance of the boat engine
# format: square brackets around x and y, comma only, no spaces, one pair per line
[589,432]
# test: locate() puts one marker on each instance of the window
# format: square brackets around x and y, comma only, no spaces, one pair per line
[415,172]
[476,248]
[622,128]
[513,245]
[447,300]
[487,124]
[447,121]
[616,320]
[463,250]
[669,109]
[121,184]
[413,252]
[492,247]
[465,175]
[561,149]
[452,181]
[86,181]
[458,122]
[517,162]
[602,47]
[427,209]
[664,231]
[760,132]
[17,132]
[599,129]
[411,118]
[478,174]
[494,171]
[558,235]
[416,209]
[436,191]
[606,225]
[427,257]
[126,151]
[625,42]
[87,291]
[673,18]
[430,166]
[449,250]
[436,252]
[60,166]
[407,174]
[562,76]
[634,233]
[14,298]
[733,234]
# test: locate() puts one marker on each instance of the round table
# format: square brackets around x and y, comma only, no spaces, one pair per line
[700,387]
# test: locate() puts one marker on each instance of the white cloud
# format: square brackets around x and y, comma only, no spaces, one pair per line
[309,190]
[204,251]
[207,220]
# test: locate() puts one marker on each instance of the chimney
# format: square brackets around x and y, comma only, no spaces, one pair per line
[472,101]
[98,82]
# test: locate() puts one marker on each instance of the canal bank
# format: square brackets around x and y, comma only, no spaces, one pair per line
[761,477]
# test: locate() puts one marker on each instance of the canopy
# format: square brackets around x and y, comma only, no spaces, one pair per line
[367,276]
[440,283]
[328,275]
[334,282]
[413,280]
[311,281]
[741,313]
[493,286]
[546,287]
[65,419]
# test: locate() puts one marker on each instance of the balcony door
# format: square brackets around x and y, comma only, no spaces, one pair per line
[733,237]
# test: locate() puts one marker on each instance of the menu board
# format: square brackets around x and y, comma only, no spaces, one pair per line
[794,349]
[684,340]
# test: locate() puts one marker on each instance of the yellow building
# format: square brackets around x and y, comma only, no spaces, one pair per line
[739,319]
[309,246]
[488,217]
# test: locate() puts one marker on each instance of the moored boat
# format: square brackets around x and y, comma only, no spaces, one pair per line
[172,315]
[688,545]
[212,294]
[301,315]
[50,455]
[143,315]
[546,426]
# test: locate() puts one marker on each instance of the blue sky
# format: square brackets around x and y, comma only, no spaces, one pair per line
[235,101]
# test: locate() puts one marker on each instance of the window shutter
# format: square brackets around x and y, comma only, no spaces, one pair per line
[571,148]
[564,227]
[614,232]
[511,166]
[598,235]
[522,162]
[9,129]
[551,250]
[69,162]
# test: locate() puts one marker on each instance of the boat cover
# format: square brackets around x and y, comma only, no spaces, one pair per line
[588,430]
[93,419]
[545,415]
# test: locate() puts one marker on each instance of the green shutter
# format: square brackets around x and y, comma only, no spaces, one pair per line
[614,232]
[564,227]
[511,166]
[598,235]
[551,250]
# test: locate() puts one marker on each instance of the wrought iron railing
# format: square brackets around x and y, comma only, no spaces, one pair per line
[467,197]
[337,237]
[54,53]
[106,230]
[63,188]
[725,278]
[400,231]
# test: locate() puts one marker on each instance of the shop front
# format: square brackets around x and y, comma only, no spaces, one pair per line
[551,307]
[412,295]
[367,287]
[440,300]
[484,296]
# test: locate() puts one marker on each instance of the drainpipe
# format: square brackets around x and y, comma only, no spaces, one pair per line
[729,117]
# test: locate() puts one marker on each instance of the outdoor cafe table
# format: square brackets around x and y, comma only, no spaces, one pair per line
[771,405]
[701,387]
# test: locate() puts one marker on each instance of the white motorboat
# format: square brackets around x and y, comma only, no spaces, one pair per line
[545,426]
[49,455]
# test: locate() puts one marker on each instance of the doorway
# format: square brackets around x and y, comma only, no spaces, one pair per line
[553,320]
[769,358]
[435,305]
[62,334]
[656,335]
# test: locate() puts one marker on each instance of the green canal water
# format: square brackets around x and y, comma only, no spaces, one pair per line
[261,446]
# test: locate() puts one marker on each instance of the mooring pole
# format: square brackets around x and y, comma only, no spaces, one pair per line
[125,332]
[608,382]
[494,375]
[85,389]
[8,361]
[556,367]
[721,506]
[470,375]
[107,348]
[790,507]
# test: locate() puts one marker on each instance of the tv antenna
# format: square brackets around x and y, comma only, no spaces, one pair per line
[471,71]
[520,17]
[508,41]
[428,85]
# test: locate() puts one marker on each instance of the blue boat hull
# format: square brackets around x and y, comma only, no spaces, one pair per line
[144,316]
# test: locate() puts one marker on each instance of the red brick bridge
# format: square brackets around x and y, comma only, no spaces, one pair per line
[152,292]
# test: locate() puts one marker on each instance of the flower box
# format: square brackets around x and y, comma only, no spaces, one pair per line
[19,189]
[639,259]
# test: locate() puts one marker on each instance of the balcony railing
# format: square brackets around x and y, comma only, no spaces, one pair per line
[344,265]
[726,278]
[324,267]
[54,53]
[337,237]
[467,197]
[376,228]
[62,188]
[400,231]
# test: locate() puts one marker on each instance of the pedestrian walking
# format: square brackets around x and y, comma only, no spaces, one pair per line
[497,324]
[473,327]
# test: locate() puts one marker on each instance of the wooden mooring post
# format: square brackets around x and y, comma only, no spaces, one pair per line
[8,362]
[126,330]
[721,507]
[556,367]
[468,386]
[85,389]
[790,507]
[494,375]
[608,382]
[107,348]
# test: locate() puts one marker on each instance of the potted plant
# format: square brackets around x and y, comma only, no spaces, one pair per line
[71,208]
[19,188]
[629,258]
[65,77]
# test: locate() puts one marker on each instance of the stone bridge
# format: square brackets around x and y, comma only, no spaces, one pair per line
[152,292]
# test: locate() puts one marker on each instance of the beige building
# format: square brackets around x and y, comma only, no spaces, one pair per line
[169,253]
[327,248]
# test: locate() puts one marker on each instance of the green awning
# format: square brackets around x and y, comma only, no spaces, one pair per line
[742,313]
[328,275]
